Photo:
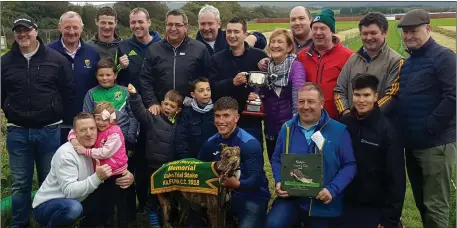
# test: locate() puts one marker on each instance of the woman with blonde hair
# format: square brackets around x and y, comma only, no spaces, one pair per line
[280,97]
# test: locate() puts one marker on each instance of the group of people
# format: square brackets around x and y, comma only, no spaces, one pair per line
[98,118]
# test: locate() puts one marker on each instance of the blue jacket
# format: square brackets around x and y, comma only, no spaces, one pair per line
[84,67]
[192,131]
[427,96]
[339,162]
[253,182]
[221,41]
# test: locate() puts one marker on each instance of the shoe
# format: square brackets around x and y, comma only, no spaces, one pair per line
[153,219]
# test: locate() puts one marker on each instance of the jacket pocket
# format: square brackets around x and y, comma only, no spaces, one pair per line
[47,73]
[196,127]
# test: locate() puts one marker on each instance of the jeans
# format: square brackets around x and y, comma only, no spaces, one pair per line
[27,146]
[251,213]
[355,216]
[288,213]
[58,212]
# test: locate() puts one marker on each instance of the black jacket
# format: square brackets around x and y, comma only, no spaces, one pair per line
[225,66]
[380,180]
[221,41]
[33,93]
[168,68]
[159,148]
[193,130]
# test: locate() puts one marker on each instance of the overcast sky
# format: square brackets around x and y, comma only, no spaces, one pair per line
[84,2]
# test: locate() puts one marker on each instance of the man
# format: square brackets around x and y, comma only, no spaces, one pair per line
[325,57]
[375,197]
[210,33]
[338,158]
[250,196]
[427,113]
[374,57]
[36,83]
[135,47]
[83,59]
[106,39]
[228,73]
[69,190]
[172,63]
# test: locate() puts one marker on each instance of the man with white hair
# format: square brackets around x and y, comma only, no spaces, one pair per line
[211,34]
[83,59]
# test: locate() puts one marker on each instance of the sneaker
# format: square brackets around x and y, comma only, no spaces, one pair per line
[153,219]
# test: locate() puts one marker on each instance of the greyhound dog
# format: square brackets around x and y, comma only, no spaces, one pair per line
[227,166]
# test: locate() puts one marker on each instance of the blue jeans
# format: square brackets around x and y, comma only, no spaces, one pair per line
[288,213]
[27,146]
[58,212]
[251,213]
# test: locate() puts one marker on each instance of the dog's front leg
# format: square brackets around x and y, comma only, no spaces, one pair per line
[165,204]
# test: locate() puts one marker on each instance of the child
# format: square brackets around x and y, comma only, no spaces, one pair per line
[159,137]
[196,123]
[109,149]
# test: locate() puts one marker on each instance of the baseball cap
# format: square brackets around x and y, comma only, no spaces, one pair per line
[25,21]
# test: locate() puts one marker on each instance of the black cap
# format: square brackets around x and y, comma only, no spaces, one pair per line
[414,18]
[25,21]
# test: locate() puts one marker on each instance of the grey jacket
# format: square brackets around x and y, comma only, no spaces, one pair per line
[385,66]
[105,49]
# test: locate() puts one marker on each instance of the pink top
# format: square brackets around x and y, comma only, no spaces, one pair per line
[109,148]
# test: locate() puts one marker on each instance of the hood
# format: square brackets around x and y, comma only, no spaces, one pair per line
[114,43]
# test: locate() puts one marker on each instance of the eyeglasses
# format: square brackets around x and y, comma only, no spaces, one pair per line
[177,25]
[22,29]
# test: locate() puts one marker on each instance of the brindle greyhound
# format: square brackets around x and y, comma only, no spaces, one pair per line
[227,166]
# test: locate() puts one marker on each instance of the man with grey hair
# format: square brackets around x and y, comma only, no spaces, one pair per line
[211,34]
[427,116]
[83,59]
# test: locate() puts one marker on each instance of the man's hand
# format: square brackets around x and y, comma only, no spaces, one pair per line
[80,150]
[231,182]
[131,89]
[126,180]
[124,61]
[325,196]
[75,143]
[380,226]
[280,192]
[251,40]
[263,64]
[240,79]
[154,109]
[345,112]
[253,96]
[103,172]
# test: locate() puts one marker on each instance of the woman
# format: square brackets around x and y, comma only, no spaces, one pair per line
[280,98]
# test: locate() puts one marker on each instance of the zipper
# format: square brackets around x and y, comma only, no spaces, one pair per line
[318,67]
[73,66]
[322,70]
[310,206]
[28,85]
[174,69]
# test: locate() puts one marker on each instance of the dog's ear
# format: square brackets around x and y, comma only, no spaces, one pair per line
[222,146]
[237,151]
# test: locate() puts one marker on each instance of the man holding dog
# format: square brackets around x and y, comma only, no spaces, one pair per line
[251,194]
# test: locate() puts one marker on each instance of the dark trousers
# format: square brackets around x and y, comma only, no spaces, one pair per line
[152,203]
[271,144]
[142,179]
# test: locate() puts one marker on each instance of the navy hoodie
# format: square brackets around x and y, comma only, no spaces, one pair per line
[84,67]
[221,41]
[136,51]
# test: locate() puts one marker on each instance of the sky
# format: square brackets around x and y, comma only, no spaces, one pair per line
[84,2]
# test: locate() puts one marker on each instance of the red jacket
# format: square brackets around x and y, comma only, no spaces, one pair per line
[324,70]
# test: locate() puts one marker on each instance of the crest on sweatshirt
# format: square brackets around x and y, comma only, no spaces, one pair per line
[87,62]
[118,95]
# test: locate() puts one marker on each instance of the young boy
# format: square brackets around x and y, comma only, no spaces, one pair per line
[375,197]
[196,123]
[159,137]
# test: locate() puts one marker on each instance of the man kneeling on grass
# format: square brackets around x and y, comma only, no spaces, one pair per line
[72,182]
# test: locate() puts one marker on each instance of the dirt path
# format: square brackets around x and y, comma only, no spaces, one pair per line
[450,28]
[444,40]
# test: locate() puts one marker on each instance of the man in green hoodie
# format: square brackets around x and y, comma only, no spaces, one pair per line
[106,40]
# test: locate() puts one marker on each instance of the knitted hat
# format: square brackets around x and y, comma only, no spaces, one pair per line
[327,17]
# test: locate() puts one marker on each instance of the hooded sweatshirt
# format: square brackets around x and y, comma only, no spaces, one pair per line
[105,49]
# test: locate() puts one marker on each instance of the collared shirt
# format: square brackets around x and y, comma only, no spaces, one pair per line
[308,132]
[72,54]
[300,47]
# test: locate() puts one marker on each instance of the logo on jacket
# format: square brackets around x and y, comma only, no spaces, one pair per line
[118,95]
[103,142]
[369,143]
[87,62]
[132,52]
[215,153]
[317,18]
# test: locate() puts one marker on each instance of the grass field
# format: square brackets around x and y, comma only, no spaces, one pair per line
[264,27]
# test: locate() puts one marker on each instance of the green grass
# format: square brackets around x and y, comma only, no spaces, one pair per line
[265,27]
[443,22]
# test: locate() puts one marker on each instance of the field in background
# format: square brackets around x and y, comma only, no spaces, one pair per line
[266,27]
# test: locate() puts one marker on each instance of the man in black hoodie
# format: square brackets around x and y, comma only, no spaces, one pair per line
[106,40]
[375,197]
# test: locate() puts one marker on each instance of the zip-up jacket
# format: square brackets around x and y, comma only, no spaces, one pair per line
[386,66]
[168,68]
[338,158]
[105,49]
[35,93]
[135,50]
[380,181]
[84,67]
[221,41]
[159,144]
[427,96]
[325,69]
[253,182]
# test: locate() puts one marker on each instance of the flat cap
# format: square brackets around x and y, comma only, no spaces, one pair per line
[414,17]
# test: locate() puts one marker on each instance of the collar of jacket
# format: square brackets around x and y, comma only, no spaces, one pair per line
[167,44]
[320,125]
[231,136]
[15,47]
[62,50]
[364,55]
[113,43]
[422,49]
[155,37]
[246,49]
[335,41]
[374,114]
[221,41]
[307,43]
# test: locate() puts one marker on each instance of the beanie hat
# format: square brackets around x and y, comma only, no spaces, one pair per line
[327,17]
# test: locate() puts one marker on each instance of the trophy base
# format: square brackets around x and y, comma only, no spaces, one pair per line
[248,113]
